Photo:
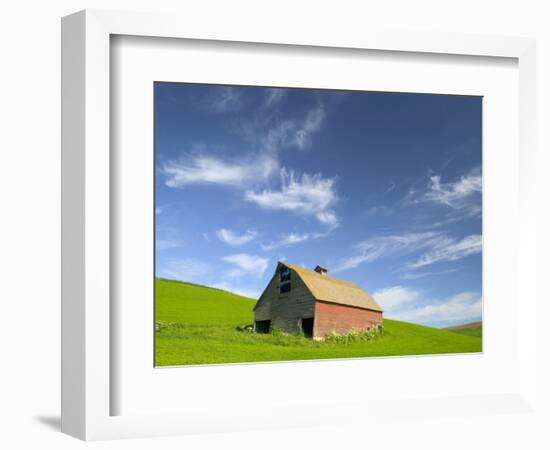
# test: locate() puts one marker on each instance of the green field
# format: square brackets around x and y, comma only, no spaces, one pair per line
[199,325]
[470,329]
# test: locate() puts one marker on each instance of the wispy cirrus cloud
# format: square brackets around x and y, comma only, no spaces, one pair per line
[462,195]
[225,99]
[454,193]
[304,131]
[296,238]
[434,247]
[234,239]
[273,139]
[328,218]
[385,246]
[304,194]
[287,241]
[283,133]
[246,264]
[307,194]
[204,168]
[273,97]
[448,249]
[209,170]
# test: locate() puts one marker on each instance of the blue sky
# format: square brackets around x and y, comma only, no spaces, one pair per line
[383,189]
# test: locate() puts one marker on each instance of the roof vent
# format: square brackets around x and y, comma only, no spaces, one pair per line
[321,270]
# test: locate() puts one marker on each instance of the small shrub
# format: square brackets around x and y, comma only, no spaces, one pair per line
[354,335]
[275,331]
[161,325]
[282,338]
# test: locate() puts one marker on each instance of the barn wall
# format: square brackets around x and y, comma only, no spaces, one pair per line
[286,310]
[341,319]
[263,307]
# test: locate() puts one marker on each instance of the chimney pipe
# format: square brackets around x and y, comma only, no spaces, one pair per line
[321,270]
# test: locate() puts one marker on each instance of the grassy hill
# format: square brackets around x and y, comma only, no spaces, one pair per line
[468,329]
[198,325]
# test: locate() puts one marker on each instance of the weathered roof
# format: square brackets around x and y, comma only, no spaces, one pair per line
[334,290]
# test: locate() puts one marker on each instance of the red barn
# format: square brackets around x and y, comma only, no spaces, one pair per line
[299,300]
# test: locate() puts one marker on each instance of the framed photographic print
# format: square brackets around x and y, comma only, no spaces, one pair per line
[248,208]
[296,224]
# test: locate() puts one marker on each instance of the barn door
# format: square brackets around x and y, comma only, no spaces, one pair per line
[307,327]
[263,326]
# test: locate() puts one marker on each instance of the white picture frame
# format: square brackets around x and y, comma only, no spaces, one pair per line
[87,385]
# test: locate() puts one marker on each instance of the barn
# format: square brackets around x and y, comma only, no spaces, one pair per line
[298,300]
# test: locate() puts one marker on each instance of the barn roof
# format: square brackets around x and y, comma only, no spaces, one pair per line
[335,290]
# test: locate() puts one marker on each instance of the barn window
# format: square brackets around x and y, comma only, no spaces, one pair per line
[285,275]
[263,326]
[285,287]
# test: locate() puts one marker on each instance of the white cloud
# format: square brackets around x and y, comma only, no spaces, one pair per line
[461,308]
[184,269]
[311,125]
[246,264]
[289,133]
[275,138]
[450,250]
[436,246]
[273,134]
[389,245]
[274,97]
[225,99]
[463,196]
[285,133]
[394,297]
[454,193]
[304,194]
[287,241]
[256,170]
[234,239]
[295,238]
[402,303]
[209,170]
[308,194]
[328,218]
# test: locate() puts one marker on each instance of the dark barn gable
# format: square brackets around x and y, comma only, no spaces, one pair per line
[285,310]
[298,300]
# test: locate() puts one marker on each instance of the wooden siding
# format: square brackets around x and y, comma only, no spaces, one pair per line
[341,319]
[285,310]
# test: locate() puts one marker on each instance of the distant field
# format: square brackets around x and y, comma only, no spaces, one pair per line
[198,325]
[468,329]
